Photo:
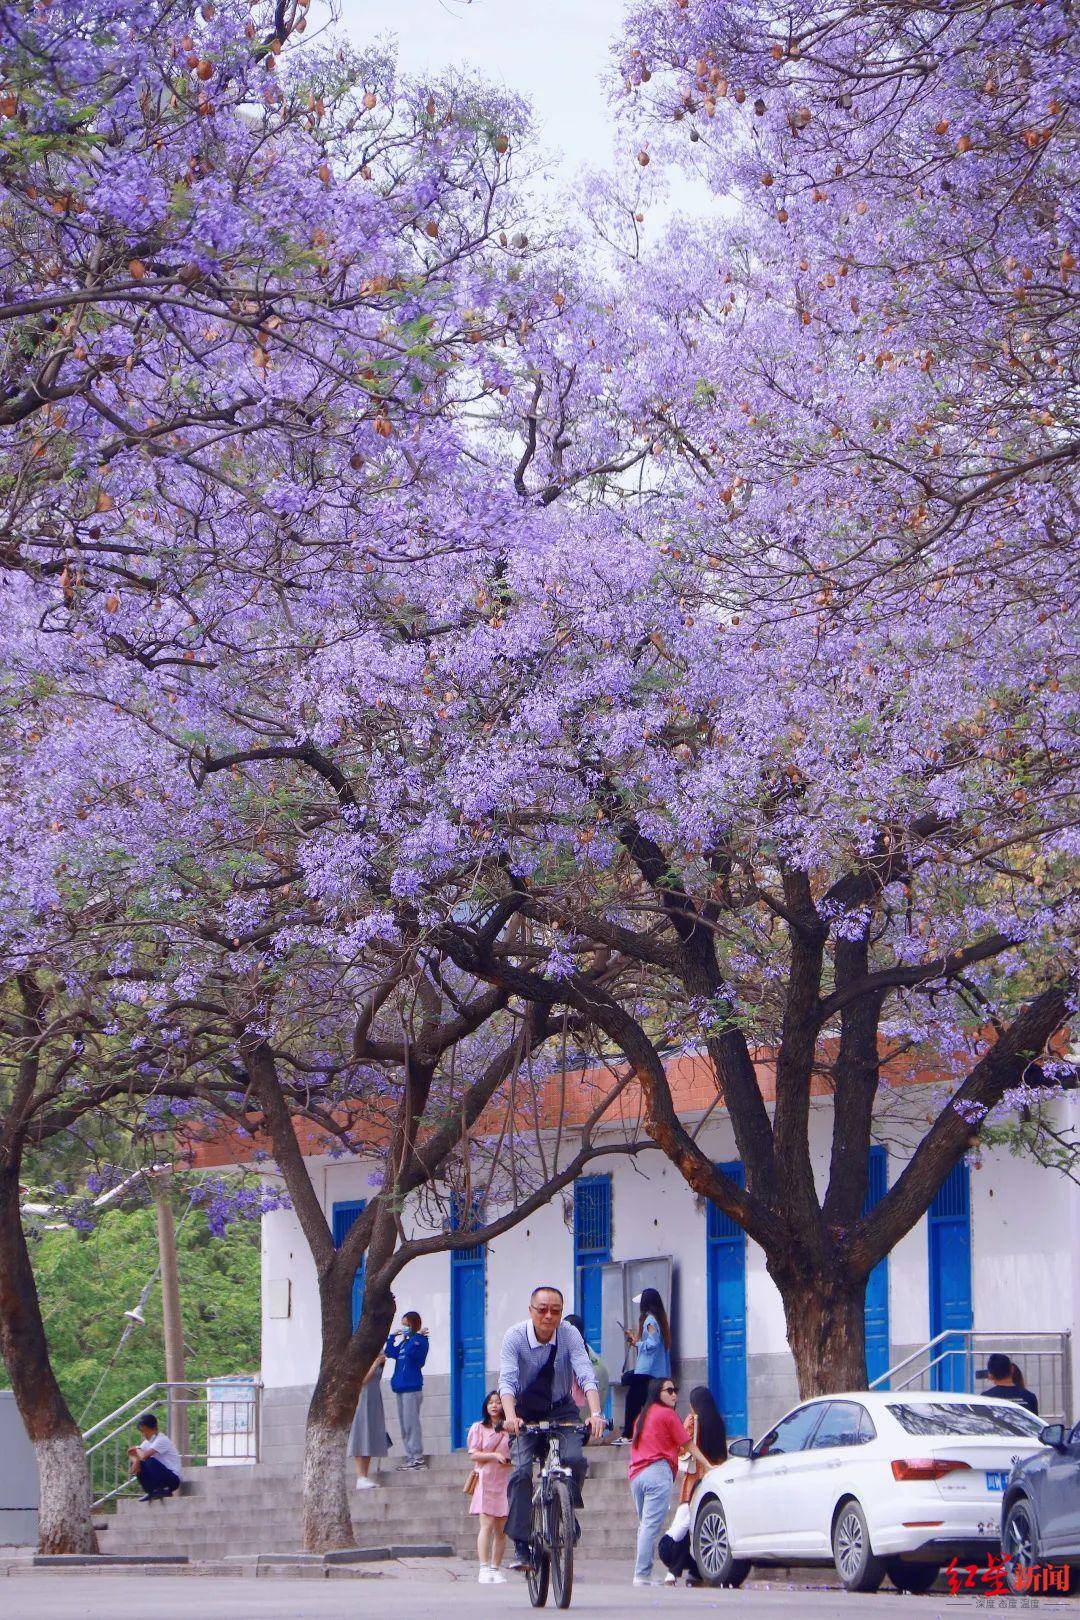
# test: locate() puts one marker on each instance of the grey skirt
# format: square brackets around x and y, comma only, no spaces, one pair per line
[367,1437]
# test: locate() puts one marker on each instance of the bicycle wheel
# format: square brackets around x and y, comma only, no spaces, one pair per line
[561,1532]
[537,1578]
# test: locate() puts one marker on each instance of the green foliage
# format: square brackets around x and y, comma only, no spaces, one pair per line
[87,1283]
[1038,1134]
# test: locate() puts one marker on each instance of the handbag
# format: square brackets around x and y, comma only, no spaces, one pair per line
[629,1363]
[472,1482]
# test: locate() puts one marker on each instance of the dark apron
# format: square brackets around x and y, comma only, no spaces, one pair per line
[534,1402]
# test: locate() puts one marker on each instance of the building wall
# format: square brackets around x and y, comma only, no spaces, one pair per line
[1025,1274]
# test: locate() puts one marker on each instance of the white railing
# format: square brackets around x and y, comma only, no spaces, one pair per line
[956,1360]
[214,1423]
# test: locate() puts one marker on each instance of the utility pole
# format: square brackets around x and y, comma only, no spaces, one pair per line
[172,1323]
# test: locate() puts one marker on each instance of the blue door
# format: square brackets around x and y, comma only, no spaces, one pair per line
[342,1217]
[468,1339]
[726,1286]
[949,1225]
[592,1248]
[877,1284]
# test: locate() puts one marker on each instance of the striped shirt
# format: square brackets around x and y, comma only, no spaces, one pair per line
[522,1356]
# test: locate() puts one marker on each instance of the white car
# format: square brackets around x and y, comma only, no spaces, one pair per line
[877,1483]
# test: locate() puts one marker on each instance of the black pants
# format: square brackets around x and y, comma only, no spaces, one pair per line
[155,1478]
[524,1451]
[636,1391]
[678,1556]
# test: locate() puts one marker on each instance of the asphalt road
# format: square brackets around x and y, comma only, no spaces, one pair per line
[401,1594]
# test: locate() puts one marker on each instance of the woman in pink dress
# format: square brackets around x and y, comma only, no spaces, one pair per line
[489,1453]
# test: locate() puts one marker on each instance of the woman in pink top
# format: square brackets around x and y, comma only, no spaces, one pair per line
[489,1452]
[658,1438]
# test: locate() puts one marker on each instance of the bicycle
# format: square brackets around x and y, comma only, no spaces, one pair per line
[551,1545]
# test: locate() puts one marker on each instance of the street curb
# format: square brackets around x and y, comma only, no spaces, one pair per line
[114,1560]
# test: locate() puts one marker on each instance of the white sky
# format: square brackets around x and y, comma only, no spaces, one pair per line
[552,52]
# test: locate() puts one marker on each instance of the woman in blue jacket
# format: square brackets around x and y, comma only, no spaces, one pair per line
[407,1349]
[653,1359]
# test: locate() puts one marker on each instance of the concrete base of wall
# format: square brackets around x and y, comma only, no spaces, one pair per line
[771,1388]
[284,1419]
[18,1527]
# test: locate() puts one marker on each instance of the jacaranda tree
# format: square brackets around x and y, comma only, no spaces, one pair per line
[462,644]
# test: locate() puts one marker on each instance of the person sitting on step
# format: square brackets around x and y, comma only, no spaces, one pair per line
[156,1462]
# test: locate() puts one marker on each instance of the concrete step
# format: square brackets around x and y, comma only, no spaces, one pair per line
[604,1463]
[427,1495]
[250,1510]
[383,1499]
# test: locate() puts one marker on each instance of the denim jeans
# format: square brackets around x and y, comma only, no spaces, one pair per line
[651,1490]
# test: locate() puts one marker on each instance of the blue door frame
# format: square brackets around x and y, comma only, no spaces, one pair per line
[342,1217]
[876,1311]
[592,1249]
[725,1245]
[949,1229]
[468,1339]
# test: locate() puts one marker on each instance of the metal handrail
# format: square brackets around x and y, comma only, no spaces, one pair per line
[946,1357]
[144,1398]
[1049,1349]
[205,1401]
[914,1356]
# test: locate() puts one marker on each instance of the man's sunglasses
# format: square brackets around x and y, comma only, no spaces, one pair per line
[547,1310]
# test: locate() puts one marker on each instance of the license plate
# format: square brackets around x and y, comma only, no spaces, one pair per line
[996,1481]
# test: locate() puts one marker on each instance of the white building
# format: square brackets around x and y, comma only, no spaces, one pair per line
[998,1252]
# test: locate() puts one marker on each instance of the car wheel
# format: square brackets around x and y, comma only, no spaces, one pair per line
[912,1577]
[712,1550]
[1020,1545]
[859,1570]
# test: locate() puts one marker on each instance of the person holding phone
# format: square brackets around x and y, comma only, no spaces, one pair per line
[408,1349]
[652,1342]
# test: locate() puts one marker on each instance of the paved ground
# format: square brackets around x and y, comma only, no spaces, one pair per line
[451,1590]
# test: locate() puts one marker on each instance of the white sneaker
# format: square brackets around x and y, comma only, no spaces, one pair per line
[496,1577]
[670,1579]
[485,1574]
[363,1484]
[641,1580]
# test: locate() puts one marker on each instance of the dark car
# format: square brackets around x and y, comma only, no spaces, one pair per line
[1040,1510]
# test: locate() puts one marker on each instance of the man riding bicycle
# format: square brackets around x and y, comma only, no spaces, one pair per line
[540,1361]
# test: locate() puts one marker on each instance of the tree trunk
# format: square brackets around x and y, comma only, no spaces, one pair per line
[65,1515]
[326,1523]
[826,1330]
[344,1363]
[65,1518]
